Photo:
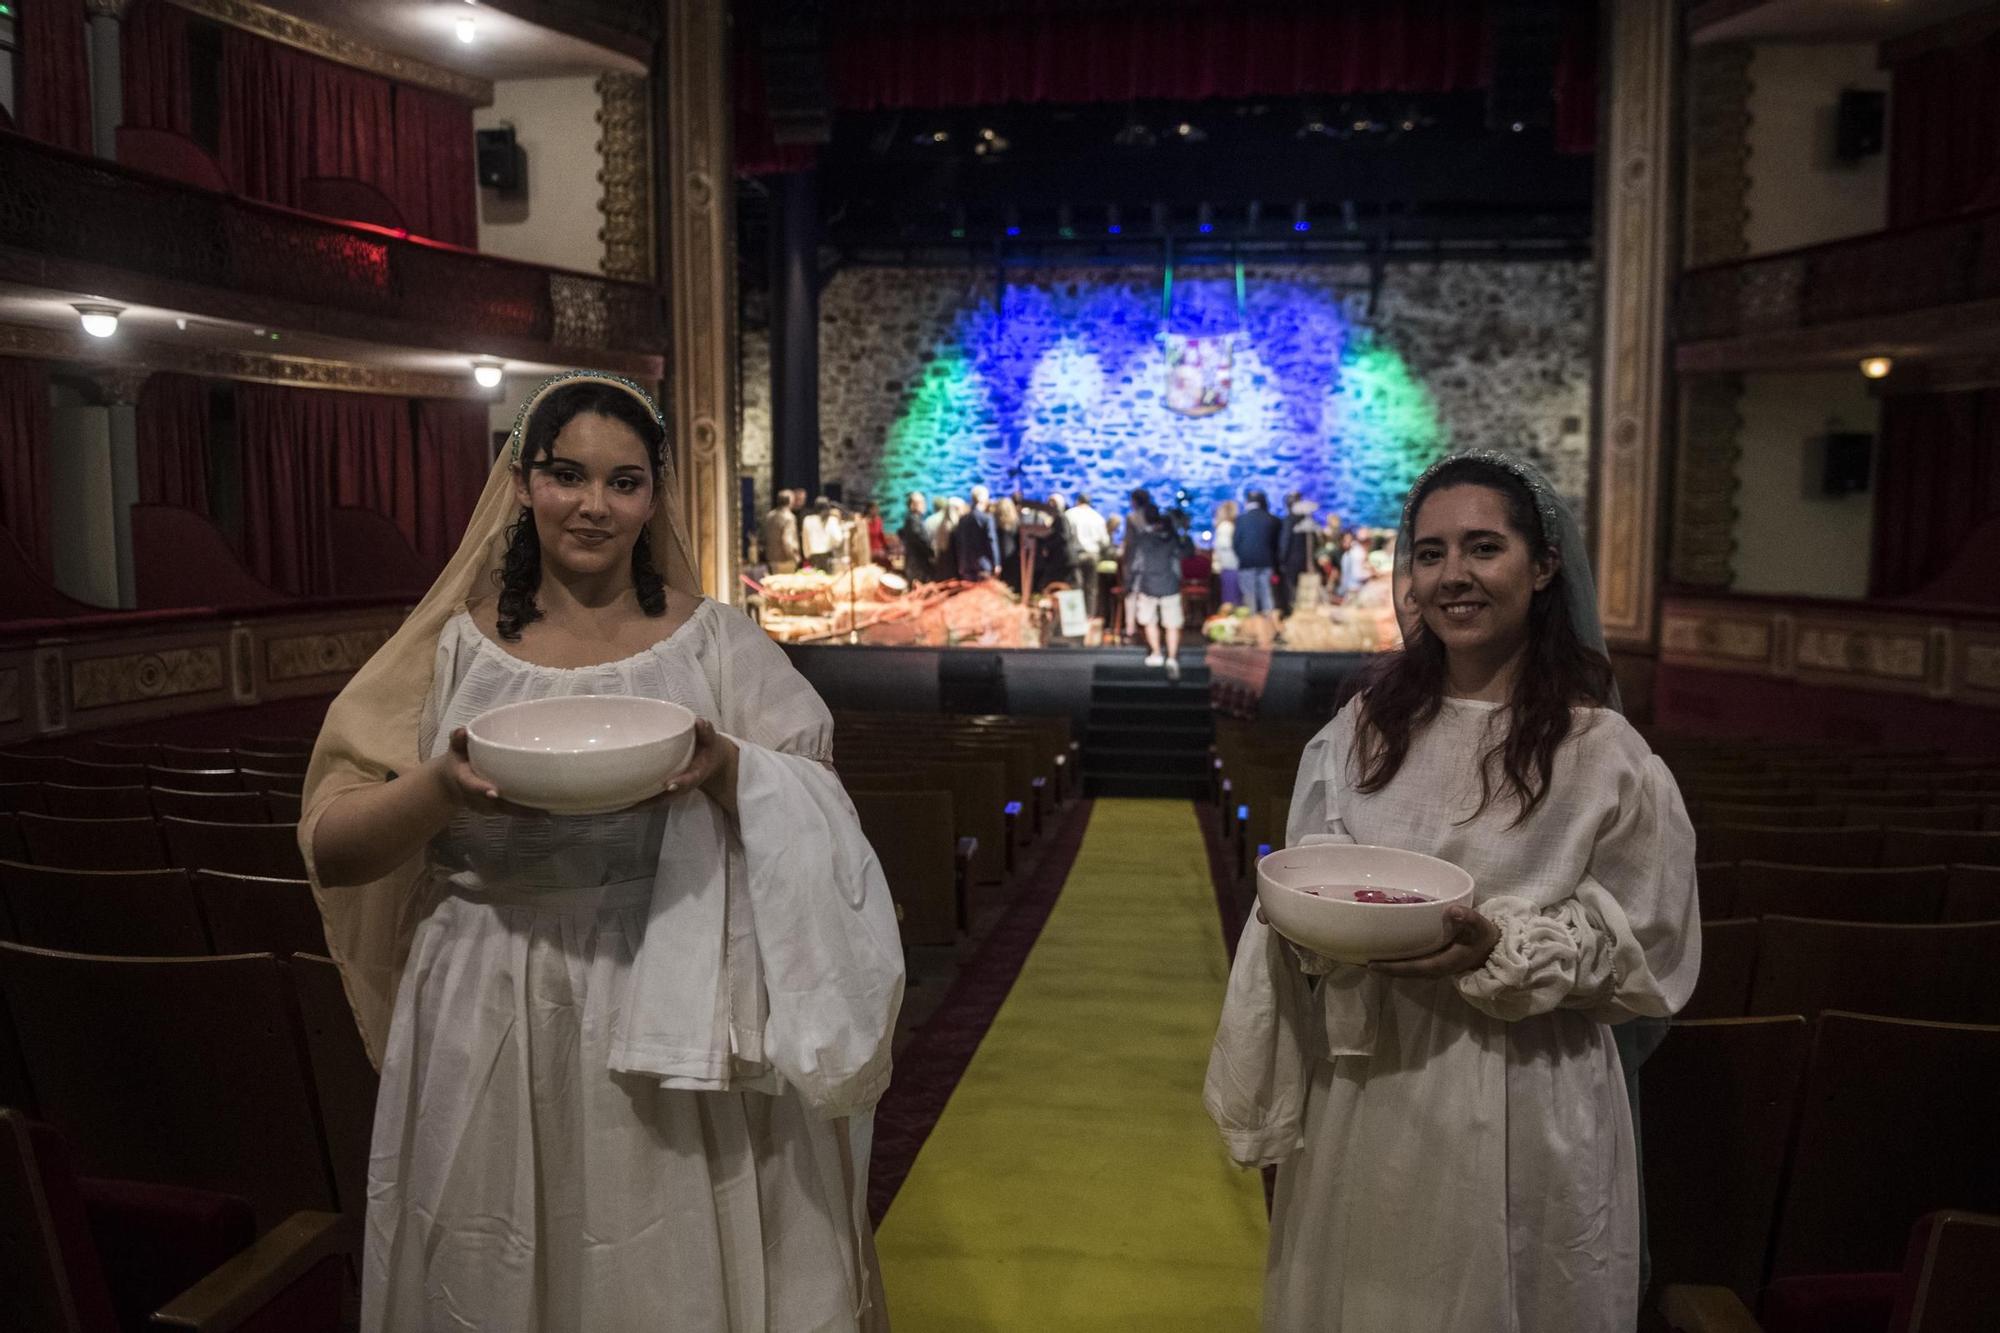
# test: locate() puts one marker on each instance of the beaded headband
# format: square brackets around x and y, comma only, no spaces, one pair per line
[1547,506]
[517,436]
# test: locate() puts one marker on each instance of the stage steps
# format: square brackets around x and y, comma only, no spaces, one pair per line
[1148,736]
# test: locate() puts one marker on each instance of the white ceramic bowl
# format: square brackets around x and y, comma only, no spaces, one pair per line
[582,754]
[1331,923]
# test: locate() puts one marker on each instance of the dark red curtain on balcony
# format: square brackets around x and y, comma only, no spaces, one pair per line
[173,425]
[24,458]
[304,451]
[286,116]
[1937,483]
[54,105]
[454,454]
[153,52]
[1944,138]
[434,168]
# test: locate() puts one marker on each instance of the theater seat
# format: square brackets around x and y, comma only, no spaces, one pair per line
[268,850]
[345,1080]
[252,914]
[1972,894]
[1728,962]
[227,807]
[140,913]
[60,798]
[93,844]
[1791,846]
[1942,973]
[1908,894]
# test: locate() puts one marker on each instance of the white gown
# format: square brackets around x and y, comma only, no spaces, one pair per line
[1457,1156]
[516,1183]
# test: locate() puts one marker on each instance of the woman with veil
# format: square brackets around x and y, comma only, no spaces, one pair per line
[628,1060]
[1452,1133]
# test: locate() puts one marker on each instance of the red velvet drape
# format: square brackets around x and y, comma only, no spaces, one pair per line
[24,459]
[1944,136]
[435,176]
[153,50]
[173,425]
[906,53]
[304,451]
[1576,78]
[1937,482]
[454,455]
[54,103]
[286,116]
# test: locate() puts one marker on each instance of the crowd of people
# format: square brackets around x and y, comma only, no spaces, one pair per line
[1251,556]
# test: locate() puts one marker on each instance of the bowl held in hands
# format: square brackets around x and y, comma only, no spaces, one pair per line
[582,754]
[1309,896]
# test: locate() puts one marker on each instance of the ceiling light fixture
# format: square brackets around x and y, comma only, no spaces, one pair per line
[486,374]
[1877,367]
[468,28]
[99,321]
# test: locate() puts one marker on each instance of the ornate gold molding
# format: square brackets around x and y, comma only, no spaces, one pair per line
[99,682]
[1637,205]
[625,145]
[306,655]
[336,46]
[1702,543]
[124,357]
[700,244]
[1718,153]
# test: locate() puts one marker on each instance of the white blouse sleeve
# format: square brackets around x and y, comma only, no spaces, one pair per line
[826,927]
[1627,943]
[1315,813]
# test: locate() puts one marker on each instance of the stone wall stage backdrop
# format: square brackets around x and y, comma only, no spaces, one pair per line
[926,383]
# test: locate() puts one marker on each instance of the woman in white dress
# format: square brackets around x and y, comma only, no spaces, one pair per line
[628,1060]
[1454,1146]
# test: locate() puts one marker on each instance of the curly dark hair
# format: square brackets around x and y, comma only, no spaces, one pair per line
[1406,689]
[520,573]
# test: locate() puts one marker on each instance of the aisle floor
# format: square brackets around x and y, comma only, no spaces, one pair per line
[1074,1181]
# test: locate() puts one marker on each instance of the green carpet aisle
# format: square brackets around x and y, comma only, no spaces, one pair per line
[1074,1181]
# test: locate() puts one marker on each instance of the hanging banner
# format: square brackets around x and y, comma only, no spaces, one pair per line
[1199,369]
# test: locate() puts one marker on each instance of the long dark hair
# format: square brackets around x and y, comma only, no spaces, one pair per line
[520,572]
[1560,672]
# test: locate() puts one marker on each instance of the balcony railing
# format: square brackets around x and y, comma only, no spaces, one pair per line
[1885,273]
[80,211]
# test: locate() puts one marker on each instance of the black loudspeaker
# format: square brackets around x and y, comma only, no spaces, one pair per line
[1848,462]
[1858,124]
[501,162]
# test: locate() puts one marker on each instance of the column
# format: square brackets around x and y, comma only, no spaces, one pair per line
[701,239]
[795,335]
[107,80]
[1637,212]
[122,394]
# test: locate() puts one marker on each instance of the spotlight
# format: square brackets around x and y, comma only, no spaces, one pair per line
[1877,367]
[1300,222]
[181,324]
[1189,132]
[1013,218]
[1517,127]
[940,136]
[1112,225]
[99,321]
[467,28]
[1204,218]
[486,374]
[1065,227]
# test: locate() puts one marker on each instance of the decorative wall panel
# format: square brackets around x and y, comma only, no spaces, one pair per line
[98,682]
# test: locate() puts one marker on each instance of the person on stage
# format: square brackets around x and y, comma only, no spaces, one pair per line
[1452,1133]
[628,1060]
[1154,549]
[1256,538]
[976,539]
[919,561]
[778,534]
[1090,537]
[1226,563]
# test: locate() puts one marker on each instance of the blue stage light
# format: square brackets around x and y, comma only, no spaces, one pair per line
[1302,226]
[1206,228]
[1114,229]
[1013,231]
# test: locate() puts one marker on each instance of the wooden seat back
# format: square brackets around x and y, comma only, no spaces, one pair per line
[1728,962]
[1767,816]
[1790,846]
[138,913]
[49,1268]
[1972,893]
[252,914]
[194,779]
[911,832]
[181,1071]
[268,850]
[346,1083]
[60,798]
[225,807]
[1906,894]
[1966,816]
[1943,973]
[1927,847]
[94,844]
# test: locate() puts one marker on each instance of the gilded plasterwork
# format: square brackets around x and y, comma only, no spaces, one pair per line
[1982,666]
[1718,153]
[1702,543]
[304,655]
[1716,636]
[100,682]
[1861,652]
[336,46]
[625,145]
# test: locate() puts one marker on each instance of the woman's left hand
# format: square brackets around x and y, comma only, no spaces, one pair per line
[712,767]
[1472,939]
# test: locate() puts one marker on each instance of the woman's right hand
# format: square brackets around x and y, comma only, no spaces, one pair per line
[467,789]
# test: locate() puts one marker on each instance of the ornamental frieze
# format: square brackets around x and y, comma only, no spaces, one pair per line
[304,655]
[100,682]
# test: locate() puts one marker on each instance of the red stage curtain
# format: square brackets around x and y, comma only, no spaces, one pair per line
[906,53]
[55,73]
[172,418]
[1576,79]
[287,115]
[454,448]
[153,49]
[435,180]
[24,459]
[1944,137]
[1937,481]
[304,451]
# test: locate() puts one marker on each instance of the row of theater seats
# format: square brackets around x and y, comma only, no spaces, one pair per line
[191,1104]
[950,802]
[1838,1067]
